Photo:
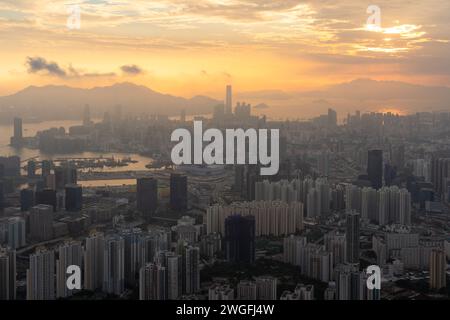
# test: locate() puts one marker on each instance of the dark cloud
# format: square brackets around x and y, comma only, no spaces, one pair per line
[36,64]
[131,69]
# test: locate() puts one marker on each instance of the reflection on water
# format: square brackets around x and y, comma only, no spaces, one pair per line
[30,129]
[108,183]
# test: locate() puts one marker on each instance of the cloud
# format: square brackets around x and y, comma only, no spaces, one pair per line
[131,69]
[37,64]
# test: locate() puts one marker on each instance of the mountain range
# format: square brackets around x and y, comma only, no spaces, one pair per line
[63,102]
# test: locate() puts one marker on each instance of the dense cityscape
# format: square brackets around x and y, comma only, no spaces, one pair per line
[351,191]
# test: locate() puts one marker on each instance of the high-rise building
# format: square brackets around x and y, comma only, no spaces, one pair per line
[31,169]
[375,168]
[2,196]
[174,275]
[147,196]
[74,197]
[178,191]
[405,207]
[15,232]
[243,111]
[26,199]
[229,100]
[275,218]
[369,204]
[220,292]
[332,118]
[152,282]
[266,288]
[438,265]
[70,253]
[191,271]
[47,197]
[41,222]
[246,290]
[87,116]
[330,291]
[336,244]
[440,172]
[323,164]
[41,276]
[350,283]
[352,198]
[93,261]
[352,236]
[240,238]
[17,138]
[46,168]
[132,253]
[7,274]
[114,265]
[11,166]
[65,174]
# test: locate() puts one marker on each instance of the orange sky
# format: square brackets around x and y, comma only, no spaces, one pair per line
[189,47]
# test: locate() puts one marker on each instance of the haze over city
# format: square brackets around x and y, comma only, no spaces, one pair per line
[284,54]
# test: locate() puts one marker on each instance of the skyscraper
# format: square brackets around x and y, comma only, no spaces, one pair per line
[174,275]
[438,267]
[7,274]
[246,290]
[240,238]
[375,168]
[229,100]
[352,236]
[74,197]
[41,276]
[147,196]
[41,222]
[26,199]
[2,196]
[15,231]
[152,282]
[93,261]
[46,168]
[191,271]
[132,254]
[114,265]
[69,253]
[87,116]
[17,138]
[31,169]
[178,191]
[47,197]
[332,118]
[266,288]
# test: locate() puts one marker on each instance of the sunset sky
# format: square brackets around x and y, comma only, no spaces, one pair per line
[189,47]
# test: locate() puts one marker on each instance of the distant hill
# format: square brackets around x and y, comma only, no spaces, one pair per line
[367,89]
[63,102]
[366,95]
